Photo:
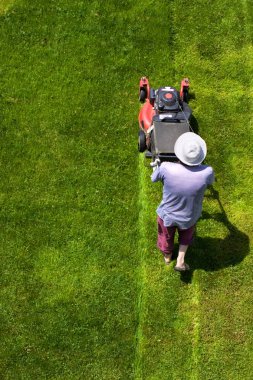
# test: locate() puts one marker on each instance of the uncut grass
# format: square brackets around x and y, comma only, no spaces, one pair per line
[205,318]
[69,189]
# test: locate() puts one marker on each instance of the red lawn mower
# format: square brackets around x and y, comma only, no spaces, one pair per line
[164,116]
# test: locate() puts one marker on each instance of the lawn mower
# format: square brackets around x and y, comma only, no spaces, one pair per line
[164,116]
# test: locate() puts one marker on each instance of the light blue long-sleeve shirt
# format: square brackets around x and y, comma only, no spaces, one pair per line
[183,192]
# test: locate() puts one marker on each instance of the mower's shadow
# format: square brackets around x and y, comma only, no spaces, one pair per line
[194,124]
[212,254]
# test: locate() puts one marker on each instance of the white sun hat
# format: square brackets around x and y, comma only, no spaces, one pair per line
[190,149]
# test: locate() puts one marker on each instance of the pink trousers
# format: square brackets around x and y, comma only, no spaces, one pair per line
[166,236]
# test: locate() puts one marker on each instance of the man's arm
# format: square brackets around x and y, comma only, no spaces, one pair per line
[211,177]
[157,174]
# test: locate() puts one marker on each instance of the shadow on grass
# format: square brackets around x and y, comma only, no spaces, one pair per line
[194,124]
[211,254]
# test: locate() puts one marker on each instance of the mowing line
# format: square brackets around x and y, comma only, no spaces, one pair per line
[196,330]
[142,249]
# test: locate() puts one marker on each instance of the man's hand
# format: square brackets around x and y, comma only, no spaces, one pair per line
[155,164]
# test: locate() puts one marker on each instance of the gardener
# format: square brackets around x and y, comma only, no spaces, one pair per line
[184,184]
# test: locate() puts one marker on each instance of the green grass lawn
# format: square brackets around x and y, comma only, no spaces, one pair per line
[84,293]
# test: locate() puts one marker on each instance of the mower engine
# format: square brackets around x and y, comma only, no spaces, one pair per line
[165,115]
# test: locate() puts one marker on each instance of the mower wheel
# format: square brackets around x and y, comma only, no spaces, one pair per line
[142,141]
[143,95]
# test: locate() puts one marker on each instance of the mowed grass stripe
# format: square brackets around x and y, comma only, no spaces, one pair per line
[69,190]
[169,327]
[161,290]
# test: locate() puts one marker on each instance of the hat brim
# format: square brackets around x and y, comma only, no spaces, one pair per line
[186,138]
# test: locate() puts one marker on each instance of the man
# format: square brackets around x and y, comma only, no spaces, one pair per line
[184,184]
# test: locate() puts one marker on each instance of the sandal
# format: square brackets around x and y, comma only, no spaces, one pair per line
[183,268]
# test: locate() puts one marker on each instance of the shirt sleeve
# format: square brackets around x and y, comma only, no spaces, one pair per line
[210,178]
[157,175]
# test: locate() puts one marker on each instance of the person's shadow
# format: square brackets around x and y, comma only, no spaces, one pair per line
[212,254]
